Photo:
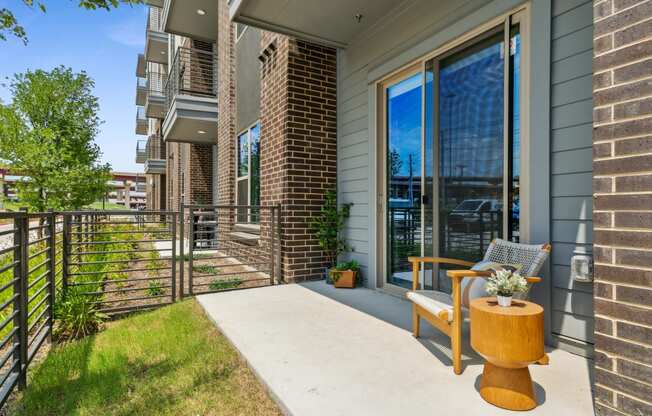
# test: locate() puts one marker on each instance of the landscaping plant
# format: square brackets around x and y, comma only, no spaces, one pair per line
[225,284]
[352,265]
[76,315]
[205,268]
[155,288]
[327,227]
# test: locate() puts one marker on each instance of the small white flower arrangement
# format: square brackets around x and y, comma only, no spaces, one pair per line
[503,284]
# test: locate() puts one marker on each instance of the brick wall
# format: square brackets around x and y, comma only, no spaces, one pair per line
[622,169]
[226,106]
[200,174]
[298,144]
[173,175]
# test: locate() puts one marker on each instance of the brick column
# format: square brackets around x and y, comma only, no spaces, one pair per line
[226,107]
[622,169]
[200,174]
[298,144]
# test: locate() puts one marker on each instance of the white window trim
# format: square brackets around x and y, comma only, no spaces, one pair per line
[247,177]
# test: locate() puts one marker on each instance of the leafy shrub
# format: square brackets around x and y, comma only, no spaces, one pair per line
[76,315]
[205,268]
[225,284]
[349,265]
[352,265]
[155,288]
[328,224]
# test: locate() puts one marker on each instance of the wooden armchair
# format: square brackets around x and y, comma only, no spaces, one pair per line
[447,312]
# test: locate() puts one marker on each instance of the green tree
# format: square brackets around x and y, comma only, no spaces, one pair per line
[9,24]
[47,134]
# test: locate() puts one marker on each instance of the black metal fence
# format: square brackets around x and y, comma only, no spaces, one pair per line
[31,271]
[120,262]
[232,247]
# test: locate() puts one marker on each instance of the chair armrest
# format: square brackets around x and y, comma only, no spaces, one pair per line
[459,274]
[417,261]
[441,260]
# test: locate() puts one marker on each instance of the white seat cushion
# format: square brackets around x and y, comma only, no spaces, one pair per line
[435,302]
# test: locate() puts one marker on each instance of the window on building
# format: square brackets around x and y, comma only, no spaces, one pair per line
[248,174]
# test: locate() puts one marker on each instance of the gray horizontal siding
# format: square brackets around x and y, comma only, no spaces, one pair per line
[571,163]
[353,163]
[571,131]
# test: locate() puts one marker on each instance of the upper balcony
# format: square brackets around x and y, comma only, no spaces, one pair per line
[141,153]
[141,66]
[333,22]
[155,3]
[195,19]
[156,45]
[155,163]
[141,90]
[141,121]
[155,97]
[191,97]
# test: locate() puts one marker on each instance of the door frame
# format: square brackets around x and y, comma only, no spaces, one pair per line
[381,171]
[520,14]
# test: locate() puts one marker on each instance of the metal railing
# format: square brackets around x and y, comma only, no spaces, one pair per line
[154,149]
[141,151]
[140,114]
[193,72]
[120,262]
[225,255]
[156,82]
[31,271]
[155,19]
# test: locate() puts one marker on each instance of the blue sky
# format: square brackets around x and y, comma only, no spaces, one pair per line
[104,44]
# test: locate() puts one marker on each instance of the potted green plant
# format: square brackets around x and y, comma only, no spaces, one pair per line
[345,274]
[327,227]
[503,284]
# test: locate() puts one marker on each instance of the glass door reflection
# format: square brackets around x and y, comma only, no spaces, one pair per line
[403,185]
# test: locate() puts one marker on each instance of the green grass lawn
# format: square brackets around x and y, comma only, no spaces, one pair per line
[171,361]
[107,206]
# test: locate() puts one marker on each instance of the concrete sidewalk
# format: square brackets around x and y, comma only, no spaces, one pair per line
[322,351]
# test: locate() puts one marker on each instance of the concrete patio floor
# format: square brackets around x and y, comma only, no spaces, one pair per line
[322,351]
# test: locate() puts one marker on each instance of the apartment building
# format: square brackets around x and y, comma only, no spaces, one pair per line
[128,189]
[248,118]
[446,124]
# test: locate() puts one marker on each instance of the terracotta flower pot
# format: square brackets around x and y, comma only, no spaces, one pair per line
[344,278]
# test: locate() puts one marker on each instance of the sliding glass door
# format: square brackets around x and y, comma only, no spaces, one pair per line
[452,155]
[403,157]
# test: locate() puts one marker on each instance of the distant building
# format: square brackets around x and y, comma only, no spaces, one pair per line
[128,189]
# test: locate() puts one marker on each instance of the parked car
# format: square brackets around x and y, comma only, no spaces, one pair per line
[474,215]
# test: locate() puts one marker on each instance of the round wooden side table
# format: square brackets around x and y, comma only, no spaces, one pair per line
[509,339]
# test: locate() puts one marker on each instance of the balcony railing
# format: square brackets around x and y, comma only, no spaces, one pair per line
[141,153]
[193,72]
[140,114]
[156,82]
[154,150]
[155,19]
[141,90]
